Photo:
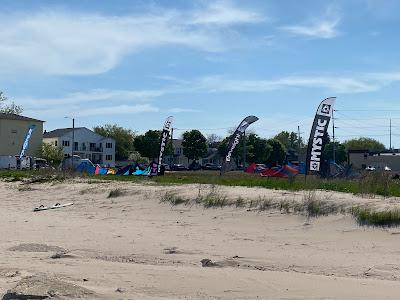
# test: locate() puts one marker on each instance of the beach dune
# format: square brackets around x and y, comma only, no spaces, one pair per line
[134,247]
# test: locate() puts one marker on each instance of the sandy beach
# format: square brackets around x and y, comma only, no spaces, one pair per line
[134,247]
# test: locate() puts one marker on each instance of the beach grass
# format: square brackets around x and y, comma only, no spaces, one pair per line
[115,193]
[369,184]
[369,217]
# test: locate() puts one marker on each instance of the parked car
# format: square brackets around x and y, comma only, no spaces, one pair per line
[194,166]
[370,168]
[178,167]
[211,166]
[387,169]
[167,167]
[41,163]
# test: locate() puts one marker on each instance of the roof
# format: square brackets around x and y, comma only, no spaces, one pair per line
[17,117]
[63,131]
[59,132]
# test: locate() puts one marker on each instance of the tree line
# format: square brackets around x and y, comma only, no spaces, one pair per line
[145,147]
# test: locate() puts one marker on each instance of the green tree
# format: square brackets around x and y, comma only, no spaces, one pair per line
[123,139]
[363,143]
[194,144]
[340,152]
[136,157]
[51,153]
[213,140]
[148,144]
[257,149]
[278,153]
[290,140]
[11,108]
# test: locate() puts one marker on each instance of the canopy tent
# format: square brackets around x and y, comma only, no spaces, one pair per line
[86,167]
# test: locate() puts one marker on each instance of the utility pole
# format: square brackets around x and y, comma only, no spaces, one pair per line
[244,149]
[172,146]
[390,129]
[333,137]
[298,141]
[73,138]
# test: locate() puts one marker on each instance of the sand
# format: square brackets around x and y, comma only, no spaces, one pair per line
[134,247]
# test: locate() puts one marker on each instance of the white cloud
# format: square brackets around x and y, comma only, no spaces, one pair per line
[337,83]
[323,28]
[60,42]
[117,110]
[100,102]
[225,13]
[77,44]
[178,110]
[96,95]
[131,101]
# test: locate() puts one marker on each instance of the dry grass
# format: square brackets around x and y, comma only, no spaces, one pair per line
[311,206]
[173,199]
[116,193]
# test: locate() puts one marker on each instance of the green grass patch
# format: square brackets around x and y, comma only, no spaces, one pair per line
[369,184]
[368,217]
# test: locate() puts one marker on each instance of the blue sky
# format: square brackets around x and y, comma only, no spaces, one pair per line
[207,63]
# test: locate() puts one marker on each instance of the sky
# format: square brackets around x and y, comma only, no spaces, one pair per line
[207,63]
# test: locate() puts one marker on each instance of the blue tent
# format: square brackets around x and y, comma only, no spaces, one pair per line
[86,167]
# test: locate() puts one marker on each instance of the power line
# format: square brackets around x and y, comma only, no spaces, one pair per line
[367,110]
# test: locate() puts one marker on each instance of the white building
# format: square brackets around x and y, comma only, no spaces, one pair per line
[87,144]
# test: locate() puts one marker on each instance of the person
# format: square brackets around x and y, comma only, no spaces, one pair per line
[162,170]
[131,170]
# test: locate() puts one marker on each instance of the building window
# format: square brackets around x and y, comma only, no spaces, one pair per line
[65,143]
[109,157]
[55,143]
[13,131]
[109,145]
[75,146]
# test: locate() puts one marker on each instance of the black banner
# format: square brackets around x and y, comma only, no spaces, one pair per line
[235,140]
[156,167]
[318,139]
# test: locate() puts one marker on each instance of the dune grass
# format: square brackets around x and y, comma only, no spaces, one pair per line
[369,217]
[369,184]
[374,183]
[173,199]
[115,193]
